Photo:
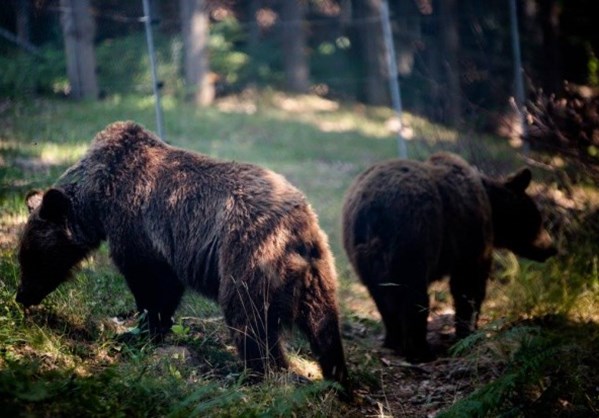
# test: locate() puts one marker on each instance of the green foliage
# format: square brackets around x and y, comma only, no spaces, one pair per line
[205,400]
[593,68]
[123,65]
[544,371]
[226,59]
[566,284]
[24,74]
[28,390]
[298,400]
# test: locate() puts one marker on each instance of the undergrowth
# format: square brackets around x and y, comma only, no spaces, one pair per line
[547,369]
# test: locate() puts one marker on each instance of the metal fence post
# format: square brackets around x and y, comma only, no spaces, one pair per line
[393,74]
[518,76]
[148,24]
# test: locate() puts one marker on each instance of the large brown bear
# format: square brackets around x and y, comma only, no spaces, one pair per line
[408,223]
[236,233]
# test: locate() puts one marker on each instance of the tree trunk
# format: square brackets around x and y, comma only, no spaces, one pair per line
[371,51]
[295,59]
[451,38]
[78,29]
[550,24]
[251,10]
[249,13]
[196,30]
[23,19]
[409,34]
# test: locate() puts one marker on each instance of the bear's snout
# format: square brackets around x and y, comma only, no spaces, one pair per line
[542,248]
[27,298]
[22,298]
[542,254]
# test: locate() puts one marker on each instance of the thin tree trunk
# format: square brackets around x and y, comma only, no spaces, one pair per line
[195,29]
[79,29]
[371,48]
[451,38]
[250,10]
[23,20]
[550,11]
[295,60]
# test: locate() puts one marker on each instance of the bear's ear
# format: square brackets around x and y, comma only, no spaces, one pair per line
[55,206]
[520,180]
[33,199]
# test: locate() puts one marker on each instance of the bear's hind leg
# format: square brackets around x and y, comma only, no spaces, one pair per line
[386,298]
[258,341]
[414,305]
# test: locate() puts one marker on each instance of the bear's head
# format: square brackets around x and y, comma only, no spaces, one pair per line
[517,222]
[47,250]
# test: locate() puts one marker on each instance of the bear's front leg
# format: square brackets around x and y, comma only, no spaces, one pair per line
[157,293]
[468,288]
[161,301]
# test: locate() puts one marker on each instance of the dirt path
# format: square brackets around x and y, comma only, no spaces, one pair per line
[422,390]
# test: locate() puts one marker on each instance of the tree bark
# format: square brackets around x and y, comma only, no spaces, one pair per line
[249,12]
[78,28]
[451,38]
[196,30]
[23,20]
[550,25]
[371,51]
[295,60]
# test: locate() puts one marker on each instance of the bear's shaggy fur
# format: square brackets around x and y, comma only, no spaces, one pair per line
[236,233]
[408,223]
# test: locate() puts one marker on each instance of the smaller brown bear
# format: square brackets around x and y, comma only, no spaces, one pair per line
[236,233]
[408,223]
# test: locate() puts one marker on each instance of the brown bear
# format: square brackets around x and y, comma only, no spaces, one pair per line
[408,223]
[236,233]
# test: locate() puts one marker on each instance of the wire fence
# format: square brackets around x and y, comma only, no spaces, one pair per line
[482,58]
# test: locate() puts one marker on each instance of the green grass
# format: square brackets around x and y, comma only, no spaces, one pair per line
[65,357]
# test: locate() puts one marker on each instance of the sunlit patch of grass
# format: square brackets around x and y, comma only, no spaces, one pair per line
[428,132]
[357,301]
[59,154]
[343,120]
[11,220]
[303,103]
[304,367]
[47,151]
[146,103]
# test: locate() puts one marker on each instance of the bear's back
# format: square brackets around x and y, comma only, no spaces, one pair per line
[129,166]
[393,206]
[437,208]
[468,230]
[136,185]
[465,200]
